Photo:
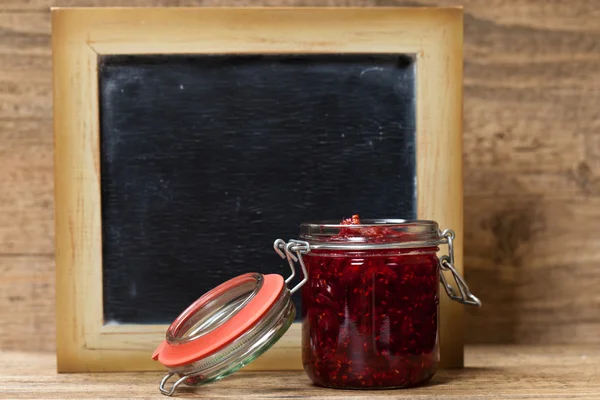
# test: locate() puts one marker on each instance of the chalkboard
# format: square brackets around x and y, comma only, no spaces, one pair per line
[206,160]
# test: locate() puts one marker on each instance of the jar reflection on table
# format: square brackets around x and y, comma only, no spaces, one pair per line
[370,318]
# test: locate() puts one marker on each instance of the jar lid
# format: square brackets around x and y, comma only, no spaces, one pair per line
[225,329]
[231,325]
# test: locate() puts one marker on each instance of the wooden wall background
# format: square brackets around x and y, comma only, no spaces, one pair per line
[532,166]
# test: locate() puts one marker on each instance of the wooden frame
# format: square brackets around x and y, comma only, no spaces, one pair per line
[79,36]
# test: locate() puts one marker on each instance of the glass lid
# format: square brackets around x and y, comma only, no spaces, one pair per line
[225,329]
[214,308]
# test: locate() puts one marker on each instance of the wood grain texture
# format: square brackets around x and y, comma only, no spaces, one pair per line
[43,5]
[26,184]
[27,302]
[25,78]
[496,372]
[531,137]
[522,264]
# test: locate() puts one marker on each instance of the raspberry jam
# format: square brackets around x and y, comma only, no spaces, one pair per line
[370,306]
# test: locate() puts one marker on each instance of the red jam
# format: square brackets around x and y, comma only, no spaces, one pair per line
[370,318]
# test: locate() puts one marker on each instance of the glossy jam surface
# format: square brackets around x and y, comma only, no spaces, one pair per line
[370,318]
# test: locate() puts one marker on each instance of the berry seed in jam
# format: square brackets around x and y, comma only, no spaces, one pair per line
[370,317]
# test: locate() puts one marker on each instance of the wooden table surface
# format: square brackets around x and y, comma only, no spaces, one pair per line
[492,372]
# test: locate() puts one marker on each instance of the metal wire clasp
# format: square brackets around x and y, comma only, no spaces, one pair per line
[447,264]
[169,392]
[292,251]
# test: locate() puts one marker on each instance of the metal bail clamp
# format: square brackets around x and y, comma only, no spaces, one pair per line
[292,251]
[447,264]
[169,392]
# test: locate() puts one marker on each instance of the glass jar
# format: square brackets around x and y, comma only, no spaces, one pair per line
[370,296]
[370,306]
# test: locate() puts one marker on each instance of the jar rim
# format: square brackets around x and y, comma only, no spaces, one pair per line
[372,234]
[375,222]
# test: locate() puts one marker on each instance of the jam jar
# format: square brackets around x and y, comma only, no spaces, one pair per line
[370,296]
[370,306]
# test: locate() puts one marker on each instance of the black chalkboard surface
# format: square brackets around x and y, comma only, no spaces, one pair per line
[206,160]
